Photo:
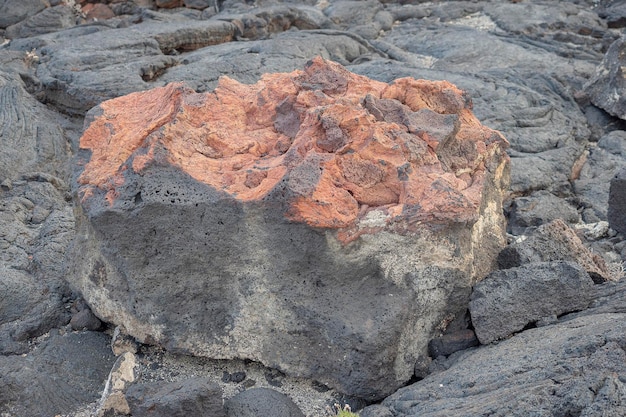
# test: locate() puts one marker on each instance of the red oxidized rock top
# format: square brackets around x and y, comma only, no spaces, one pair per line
[355,151]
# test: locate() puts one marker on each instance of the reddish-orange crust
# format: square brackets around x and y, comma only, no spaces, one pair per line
[313,127]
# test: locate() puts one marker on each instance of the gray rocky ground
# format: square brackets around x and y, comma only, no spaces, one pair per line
[547,74]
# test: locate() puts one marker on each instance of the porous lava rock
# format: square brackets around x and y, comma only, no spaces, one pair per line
[320,222]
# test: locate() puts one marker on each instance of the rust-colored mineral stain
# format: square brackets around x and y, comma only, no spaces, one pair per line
[343,143]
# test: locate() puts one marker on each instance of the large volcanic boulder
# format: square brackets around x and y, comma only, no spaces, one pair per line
[319,222]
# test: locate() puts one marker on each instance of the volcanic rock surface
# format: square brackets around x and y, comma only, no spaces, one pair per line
[317,221]
[541,72]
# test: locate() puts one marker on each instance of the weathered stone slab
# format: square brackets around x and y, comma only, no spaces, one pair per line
[555,241]
[507,301]
[82,67]
[319,222]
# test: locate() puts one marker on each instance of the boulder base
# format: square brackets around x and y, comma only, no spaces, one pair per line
[319,222]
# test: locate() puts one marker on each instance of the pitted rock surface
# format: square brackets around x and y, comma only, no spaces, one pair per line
[293,205]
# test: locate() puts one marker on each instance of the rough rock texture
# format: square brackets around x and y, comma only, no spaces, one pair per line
[529,80]
[48,20]
[606,88]
[259,402]
[572,368]
[36,228]
[523,63]
[122,343]
[617,202]
[376,411]
[33,383]
[15,12]
[614,12]
[507,301]
[452,342]
[551,242]
[98,11]
[189,397]
[78,86]
[527,213]
[36,222]
[602,163]
[609,297]
[85,319]
[305,188]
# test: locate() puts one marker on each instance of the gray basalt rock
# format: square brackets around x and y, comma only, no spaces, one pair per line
[617,202]
[365,18]
[36,228]
[188,397]
[59,375]
[32,138]
[36,222]
[552,242]
[571,368]
[25,310]
[613,12]
[524,63]
[262,22]
[507,301]
[602,164]
[527,213]
[85,320]
[375,411]
[609,297]
[452,342]
[147,49]
[199,4]
[260,402]
[606,88]
[48,20]
[75,77]
[12,12]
